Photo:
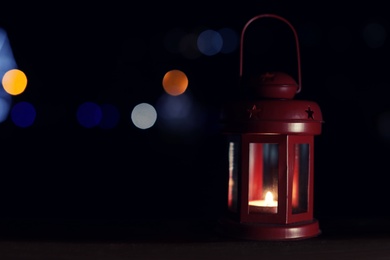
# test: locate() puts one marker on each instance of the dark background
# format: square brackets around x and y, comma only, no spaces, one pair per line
[72,53]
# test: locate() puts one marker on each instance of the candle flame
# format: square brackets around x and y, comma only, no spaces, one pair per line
[269,198]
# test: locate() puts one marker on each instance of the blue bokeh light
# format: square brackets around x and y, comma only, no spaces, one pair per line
[209,42]
[89,114]
[23,114]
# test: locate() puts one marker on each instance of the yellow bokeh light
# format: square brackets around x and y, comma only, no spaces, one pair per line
[14,82]
[175,82]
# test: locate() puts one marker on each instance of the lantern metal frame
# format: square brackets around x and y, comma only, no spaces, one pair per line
[277,119]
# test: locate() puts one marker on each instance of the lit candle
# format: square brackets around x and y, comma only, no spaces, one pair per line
[268,205]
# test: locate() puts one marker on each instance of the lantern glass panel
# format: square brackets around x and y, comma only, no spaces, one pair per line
[263,177]
[233,175]
[300,178]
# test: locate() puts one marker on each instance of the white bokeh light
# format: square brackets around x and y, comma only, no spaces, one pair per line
[144,116]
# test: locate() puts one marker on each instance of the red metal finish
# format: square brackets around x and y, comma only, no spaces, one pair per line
[261,231]
[271,116]
[274,85]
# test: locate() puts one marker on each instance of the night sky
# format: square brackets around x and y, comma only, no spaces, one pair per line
[115,53]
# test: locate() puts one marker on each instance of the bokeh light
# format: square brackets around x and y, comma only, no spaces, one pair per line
[183,117]
[89,114]
[14,82]
[209,42]
[174,108]
[7,62]
[23,114]
[144,116]
[175,82]
[5,105]
[374,35]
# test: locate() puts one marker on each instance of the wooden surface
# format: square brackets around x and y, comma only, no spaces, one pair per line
[185,239]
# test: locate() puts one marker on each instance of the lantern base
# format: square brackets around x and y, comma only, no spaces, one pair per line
[261,231]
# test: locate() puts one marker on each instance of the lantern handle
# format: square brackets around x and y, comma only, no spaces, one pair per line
[296,43]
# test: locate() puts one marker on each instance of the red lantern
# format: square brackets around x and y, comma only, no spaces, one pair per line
[271,153]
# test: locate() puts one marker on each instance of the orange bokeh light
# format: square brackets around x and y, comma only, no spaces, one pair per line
[14,82]
[175,82]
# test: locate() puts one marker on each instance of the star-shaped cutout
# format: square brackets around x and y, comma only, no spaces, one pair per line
[254,111]
[309,113]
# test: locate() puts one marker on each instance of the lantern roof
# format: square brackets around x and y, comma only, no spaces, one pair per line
[272,109]
[274,85]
